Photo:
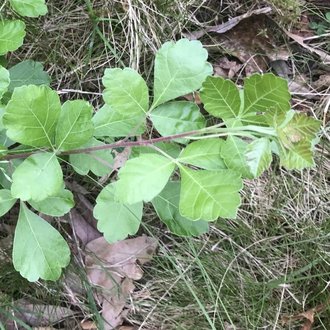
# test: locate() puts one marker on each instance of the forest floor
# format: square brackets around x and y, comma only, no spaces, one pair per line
[267,269]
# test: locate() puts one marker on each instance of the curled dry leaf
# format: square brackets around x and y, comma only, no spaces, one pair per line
[112,268]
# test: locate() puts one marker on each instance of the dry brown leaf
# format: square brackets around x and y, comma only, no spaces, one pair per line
[113,267]
[88,325]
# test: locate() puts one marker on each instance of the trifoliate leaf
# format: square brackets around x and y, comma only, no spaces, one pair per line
[4,81]
[12,34]
[258,156]
[37,178]
[39,250]
[28,73]
[180,68]
[177,117]
[208,195]
[110,123]
[99,162]
[57,205]
[221,98]
[166,205]
[7,201]
[74,127]
[126,92]
[31,115]
[204,154]
[116,220]
[29,8]
[142,178]
[233,154]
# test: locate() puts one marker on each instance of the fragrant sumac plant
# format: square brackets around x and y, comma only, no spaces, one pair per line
[191,174]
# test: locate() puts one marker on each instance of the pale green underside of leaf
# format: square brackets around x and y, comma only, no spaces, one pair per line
[177,117]
[29,8]
[12,34]
[125,91]
[258,156]
[57,205]
[38,177]
[180,68]
[28,73]
[209,195]
[233,154]
[166,205]
[204,154]
[98,162]
[39,251]
[220,98]
[6,201]
[142,178]
[116,220]
[108,122]
[4,81]
[74,126]
[31,115]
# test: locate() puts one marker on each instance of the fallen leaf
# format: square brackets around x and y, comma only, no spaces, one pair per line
[112,268]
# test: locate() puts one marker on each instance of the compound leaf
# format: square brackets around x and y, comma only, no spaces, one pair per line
[204,154]
[29,8]
[258,155]
[108,122]
[208,195]
[177,117]
[166,205]
[116,220]
[74,127]
[37,178]
[233,154]
[56,205]
[125,91]
[180,68]
[39,250]
[31,115]
[28,73]
[12,34]
[6,201]
[4,80]
[221,98]
[98,162]
[142,178]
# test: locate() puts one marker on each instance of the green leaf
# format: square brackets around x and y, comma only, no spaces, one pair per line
[99,162]
[166,205]
[262,92]
[125,91]
[37,178]
[142,178]
[7,201]
[74,127]
[180,68]
[258,156]
[209,195]
[170,148]
[31,115]
[39,250]
[204,154]
[28,73]
[12,34]
[4,81]
[110,123]
[177,117]
[57,205]
[29,8]
[221,98]
[116,220]
[233,153]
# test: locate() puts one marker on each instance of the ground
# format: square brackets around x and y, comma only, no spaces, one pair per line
[260,271]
